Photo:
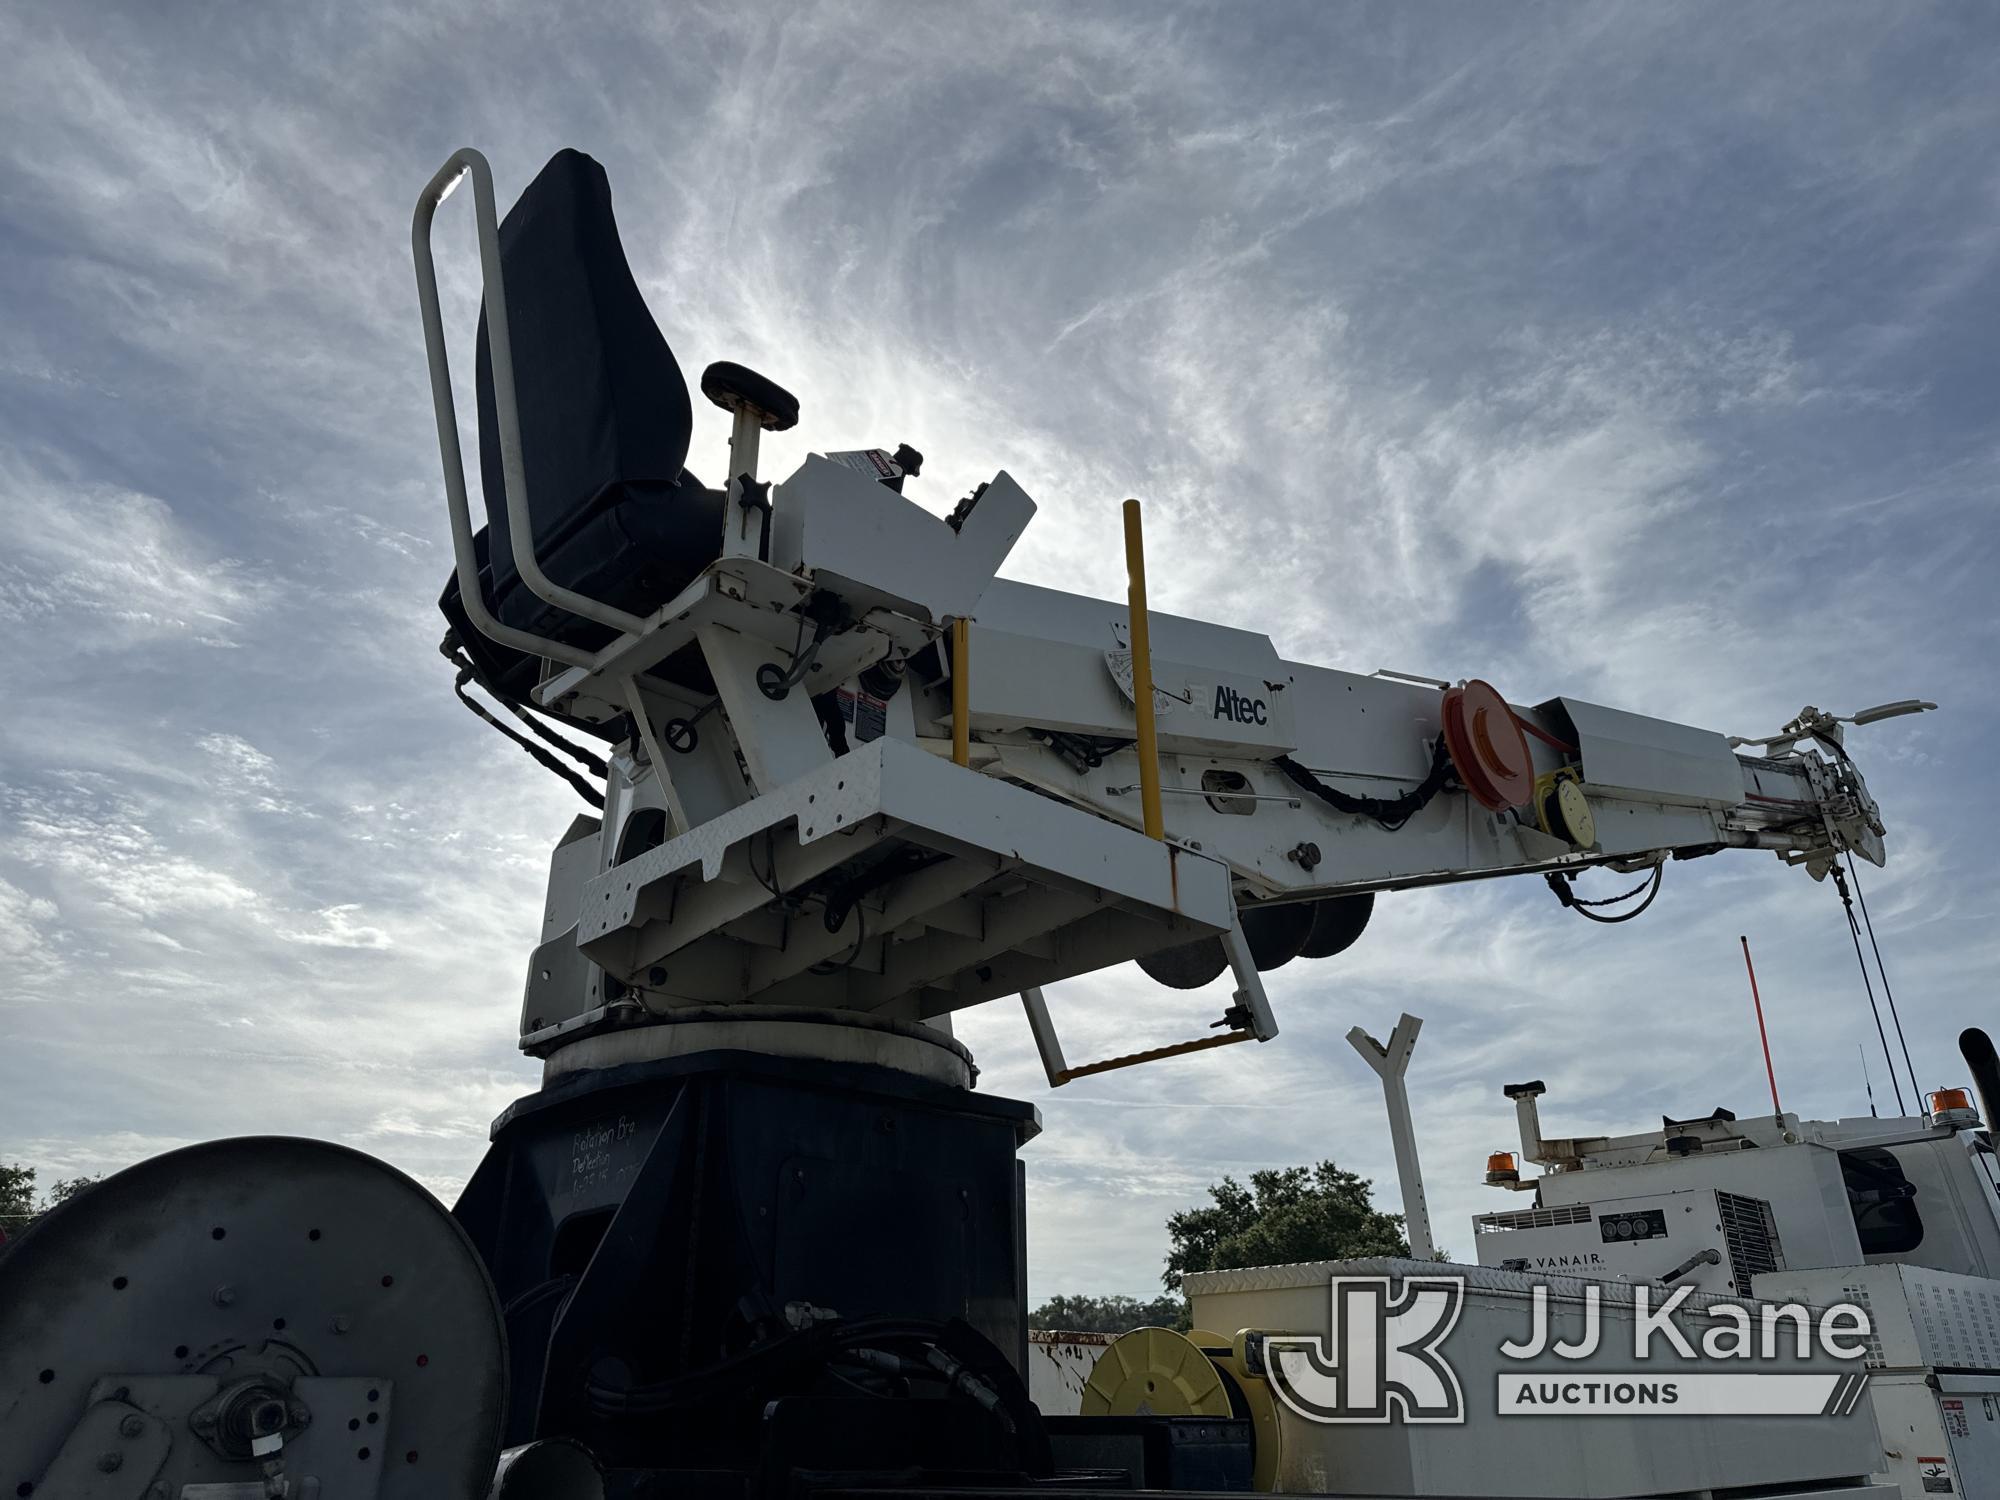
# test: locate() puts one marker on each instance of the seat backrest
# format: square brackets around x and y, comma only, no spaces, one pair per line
[603,404]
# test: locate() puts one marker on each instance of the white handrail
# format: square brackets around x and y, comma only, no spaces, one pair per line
[463,163]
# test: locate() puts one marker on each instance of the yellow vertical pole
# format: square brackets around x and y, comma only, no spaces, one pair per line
[961,696]
[1142,674]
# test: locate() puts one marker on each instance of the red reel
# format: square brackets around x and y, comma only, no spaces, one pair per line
[1488,749]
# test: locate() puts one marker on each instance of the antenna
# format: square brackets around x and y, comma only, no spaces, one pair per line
[1777,1110]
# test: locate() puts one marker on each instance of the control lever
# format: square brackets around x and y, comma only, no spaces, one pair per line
[1709,1257]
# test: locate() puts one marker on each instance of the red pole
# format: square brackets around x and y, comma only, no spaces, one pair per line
[1762,1035]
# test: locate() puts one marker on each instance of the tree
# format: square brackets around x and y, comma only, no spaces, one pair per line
[1286,1215]
[18,1205]
[1075,1314]
[17,1197]
[65,1188]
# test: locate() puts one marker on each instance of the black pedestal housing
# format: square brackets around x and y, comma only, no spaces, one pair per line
[658,1220]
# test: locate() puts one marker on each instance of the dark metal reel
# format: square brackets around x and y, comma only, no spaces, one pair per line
[1337,922]
[1187,966]
[1276,934]
[217,1280]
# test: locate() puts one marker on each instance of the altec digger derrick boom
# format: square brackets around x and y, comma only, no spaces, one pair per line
[853,769]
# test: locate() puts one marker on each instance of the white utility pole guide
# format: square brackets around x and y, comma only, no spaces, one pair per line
[1390,1064]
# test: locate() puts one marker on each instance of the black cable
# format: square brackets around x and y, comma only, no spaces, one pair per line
[452,652]
[1391,812]
[542,757]
[1916,1089]
[540,1292]
[1652,879]
[1854,931]
[1832,742]
[805,1350]
[972,1366]
[831,966]
[548,736]
[768,877]
[856,1385]
[1581,907]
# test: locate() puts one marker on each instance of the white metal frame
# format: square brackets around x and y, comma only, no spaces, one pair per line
[641,641]
[462,164]
[704,917]
[1256,1023]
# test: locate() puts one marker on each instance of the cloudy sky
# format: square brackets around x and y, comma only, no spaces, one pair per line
[1641,353]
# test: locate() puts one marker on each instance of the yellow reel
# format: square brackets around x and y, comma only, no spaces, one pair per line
[1562,809]
[1157,1372]
[1154,1372]
[1266,1435]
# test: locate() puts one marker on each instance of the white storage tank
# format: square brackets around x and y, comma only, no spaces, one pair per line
[1058,1365]
[1597,1453]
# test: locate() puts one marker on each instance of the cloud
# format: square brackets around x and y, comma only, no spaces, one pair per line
[95,568]
[22,920]
[341,927]
[100,843]
[1626,358]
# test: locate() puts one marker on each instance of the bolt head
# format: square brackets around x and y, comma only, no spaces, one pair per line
[131,1425]
[109,1462]
[225,1296]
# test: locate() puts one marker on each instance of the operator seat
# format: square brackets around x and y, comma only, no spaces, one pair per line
[605,426]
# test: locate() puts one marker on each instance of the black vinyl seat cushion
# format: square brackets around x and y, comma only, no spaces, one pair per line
[511,675]
[632,554]
[605,420]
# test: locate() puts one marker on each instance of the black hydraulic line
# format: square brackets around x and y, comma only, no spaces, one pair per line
[555,1286]
[542,757]
[1559,882]
[1651,888]
[1854,931]
[768,876]
[1888,994]
[1390,812]
[454,653]
[834,966]
[583,757]
[973,1367]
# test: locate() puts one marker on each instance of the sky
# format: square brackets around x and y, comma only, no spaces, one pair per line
[1640,353]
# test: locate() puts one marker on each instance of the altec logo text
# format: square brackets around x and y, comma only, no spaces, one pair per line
[1385,1359]
[1232,705]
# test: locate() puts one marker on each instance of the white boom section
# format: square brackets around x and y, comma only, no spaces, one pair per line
[1039,664]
